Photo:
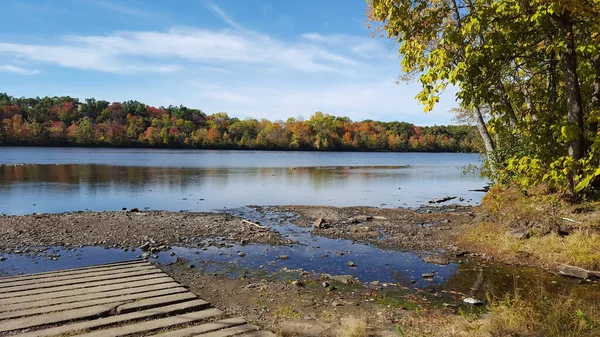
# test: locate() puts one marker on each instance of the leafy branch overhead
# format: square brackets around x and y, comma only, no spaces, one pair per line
[528,73]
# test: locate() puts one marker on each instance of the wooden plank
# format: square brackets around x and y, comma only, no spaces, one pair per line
[234,331]
[155,302]
[259,334]
[161,323]
[198,329]
[82,304]
[123,279]
[134,291]
[78,276]
[122,319]
[54,318]
[49,286]
[96,288]
[81,270]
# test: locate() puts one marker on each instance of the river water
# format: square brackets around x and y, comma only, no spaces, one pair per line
[52,180]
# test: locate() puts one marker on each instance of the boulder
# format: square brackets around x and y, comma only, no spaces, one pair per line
[435,259]
[320,223]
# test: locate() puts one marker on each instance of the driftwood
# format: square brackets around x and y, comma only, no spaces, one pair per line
[441,200]
[254,224]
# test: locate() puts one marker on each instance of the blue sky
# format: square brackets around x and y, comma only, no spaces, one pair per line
[251,58]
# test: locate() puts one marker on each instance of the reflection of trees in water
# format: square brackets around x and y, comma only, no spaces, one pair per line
[106,176]
[500,280]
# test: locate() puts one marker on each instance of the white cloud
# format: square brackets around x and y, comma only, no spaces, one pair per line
[17,70]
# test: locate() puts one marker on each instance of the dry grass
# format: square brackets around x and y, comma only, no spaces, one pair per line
[580,248]
[543,315]
[545,215]
[352,326]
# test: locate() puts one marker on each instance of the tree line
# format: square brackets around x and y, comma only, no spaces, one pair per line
[66,121]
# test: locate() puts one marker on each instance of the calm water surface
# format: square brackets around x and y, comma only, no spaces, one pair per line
[50,180]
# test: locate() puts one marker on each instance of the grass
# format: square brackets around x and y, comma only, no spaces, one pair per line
[580,248]
[543,315]
[352,326]
[554,240]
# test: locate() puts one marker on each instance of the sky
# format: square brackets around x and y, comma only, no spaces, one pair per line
[251,59]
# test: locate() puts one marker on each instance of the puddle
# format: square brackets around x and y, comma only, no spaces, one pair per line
[313,254]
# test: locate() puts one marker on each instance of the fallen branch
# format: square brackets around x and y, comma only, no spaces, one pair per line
[441,200]
[571,220]
[254,224]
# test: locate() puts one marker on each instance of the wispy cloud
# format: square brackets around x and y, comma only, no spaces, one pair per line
[119,8]
[17,70]
[225,17]
[123,52]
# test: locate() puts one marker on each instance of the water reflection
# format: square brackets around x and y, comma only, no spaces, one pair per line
[69,187]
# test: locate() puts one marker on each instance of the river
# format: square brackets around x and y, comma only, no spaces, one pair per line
[53,180]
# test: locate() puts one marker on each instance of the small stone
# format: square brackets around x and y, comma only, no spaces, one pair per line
[2,258]
[427,275]
[470,300]
[172,253]
[351,264]
[296,283]
[325,284]
[283,257]
[145,256]
[145,246]
[241,254]
[191,266]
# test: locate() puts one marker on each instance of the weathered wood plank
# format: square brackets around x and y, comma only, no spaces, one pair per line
[122,319]
[99,287]
[81,270]
[49,286]
[234,331]
[119,280]
[6,286]
[207,327]
[140,291]
[185,295]
[58,317]
[161,323]
[155,302]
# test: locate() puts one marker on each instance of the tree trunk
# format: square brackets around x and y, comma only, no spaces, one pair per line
[487,140]
[572,89]
[593,127]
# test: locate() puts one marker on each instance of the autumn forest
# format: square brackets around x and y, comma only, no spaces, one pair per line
[65,121]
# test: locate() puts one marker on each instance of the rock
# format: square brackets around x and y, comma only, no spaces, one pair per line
[154,250]
[172,253]
[134,210]
[519,233]
[283,257]
[305,328]
[427,275]
[191,266]
[435,259]
[470,300]
[324,284]
[337,303]
[241,254]
[351,264]
[2,258]
[320,223]
[296,283]
[145,256]
[145,246]
[567,270]
[346,279]
[359,218]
